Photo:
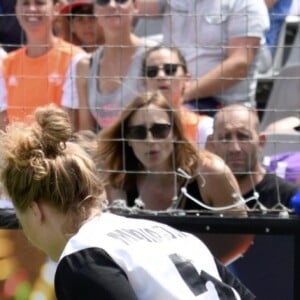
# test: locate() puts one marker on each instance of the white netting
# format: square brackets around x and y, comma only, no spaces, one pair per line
[277,92]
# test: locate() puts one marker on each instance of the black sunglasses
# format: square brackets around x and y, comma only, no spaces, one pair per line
[105,2]
[140,132]
[169,70]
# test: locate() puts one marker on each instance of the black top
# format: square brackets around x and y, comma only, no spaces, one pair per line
[270,188]
[192,189]
[91,274]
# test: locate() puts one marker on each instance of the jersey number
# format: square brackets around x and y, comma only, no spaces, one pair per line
[196,282]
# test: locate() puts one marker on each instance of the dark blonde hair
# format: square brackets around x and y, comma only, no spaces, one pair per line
[116,159]
[39,164]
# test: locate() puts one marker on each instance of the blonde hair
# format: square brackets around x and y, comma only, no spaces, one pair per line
[39,164]
[117,160]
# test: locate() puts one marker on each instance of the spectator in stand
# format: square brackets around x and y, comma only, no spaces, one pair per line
[220,40]
[58,197]
[237,140]
[79,25]
[111,78]
[43,71]
[151,161]
[165,69]
[12,36]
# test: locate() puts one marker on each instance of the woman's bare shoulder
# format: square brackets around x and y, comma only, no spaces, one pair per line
[211,163]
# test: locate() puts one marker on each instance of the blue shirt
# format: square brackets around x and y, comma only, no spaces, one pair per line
[277,16]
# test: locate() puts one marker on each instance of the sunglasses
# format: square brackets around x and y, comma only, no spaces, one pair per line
[105,2]
[169,70]
[140,132]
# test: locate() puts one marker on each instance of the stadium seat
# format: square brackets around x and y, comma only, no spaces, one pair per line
[286,42]
[294,55]
[284,100]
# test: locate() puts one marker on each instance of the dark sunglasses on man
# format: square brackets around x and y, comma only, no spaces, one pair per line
[169,70]
[105,2]
[140,132]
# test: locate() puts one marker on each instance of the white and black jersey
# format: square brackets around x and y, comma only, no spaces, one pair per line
[113,257]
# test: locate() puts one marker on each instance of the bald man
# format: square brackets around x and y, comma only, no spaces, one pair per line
[237,140]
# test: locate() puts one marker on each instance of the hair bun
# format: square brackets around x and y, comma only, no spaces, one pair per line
[55,128]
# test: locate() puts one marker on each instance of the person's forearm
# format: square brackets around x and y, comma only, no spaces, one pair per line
[241,53]
[224,76]
[149,8]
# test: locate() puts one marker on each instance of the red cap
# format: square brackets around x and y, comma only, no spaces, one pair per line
[67,9]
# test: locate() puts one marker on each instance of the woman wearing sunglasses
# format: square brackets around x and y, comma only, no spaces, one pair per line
[165,69]
[110,79]
[145,148]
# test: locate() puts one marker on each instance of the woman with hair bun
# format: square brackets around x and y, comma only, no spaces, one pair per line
[58,197]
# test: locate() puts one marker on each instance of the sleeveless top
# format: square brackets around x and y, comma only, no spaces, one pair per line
[184,203]
[106,107]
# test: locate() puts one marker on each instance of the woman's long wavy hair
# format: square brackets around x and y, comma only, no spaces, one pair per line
[116,159]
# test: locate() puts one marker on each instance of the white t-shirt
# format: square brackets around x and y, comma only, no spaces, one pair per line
[70,94]
[202,29]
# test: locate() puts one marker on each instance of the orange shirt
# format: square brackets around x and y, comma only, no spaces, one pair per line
[190,122]
[33,82]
